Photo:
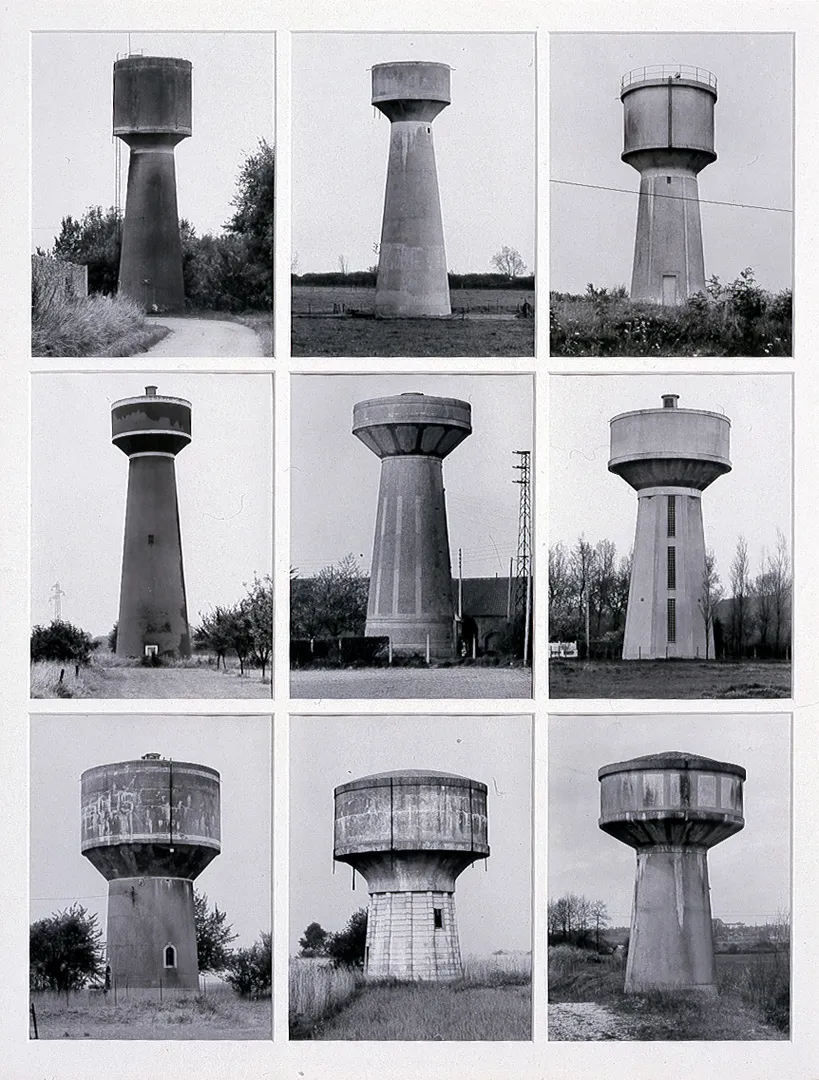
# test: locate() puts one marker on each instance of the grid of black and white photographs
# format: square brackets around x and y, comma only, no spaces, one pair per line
[406,581]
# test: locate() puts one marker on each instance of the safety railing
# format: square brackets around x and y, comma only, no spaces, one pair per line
[657,72]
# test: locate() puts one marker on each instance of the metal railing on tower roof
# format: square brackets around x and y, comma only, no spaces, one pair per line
[659,72]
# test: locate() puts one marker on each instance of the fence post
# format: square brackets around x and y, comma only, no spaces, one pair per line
[34,1021]
[427,648]
[389,651]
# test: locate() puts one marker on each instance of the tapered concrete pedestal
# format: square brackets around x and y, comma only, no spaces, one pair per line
[152,114]
[410,599]
[412,271]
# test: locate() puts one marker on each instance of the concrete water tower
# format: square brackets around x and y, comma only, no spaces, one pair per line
[151,827]
[410,834]
[668,137]
[671,808]
[410,598]
[152,113]
[669,456]
[412,270]
[153,611]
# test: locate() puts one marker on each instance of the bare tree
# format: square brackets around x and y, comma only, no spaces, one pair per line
[294,262]
[601,586]
[620,591]
[581,561]
[711,592]
[740,588]
[509,261]
[343,264]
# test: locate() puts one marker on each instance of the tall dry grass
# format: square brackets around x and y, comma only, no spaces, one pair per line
[45,680]
[317,990]
[89,326]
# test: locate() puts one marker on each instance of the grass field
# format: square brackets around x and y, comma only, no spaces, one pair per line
[752,1002]
[106,677]
[91,326]
[489,328]
[220,1016]
[669,679]
[431,682]
[491,1002]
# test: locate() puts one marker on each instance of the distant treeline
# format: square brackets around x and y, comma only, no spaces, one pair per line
[367,278]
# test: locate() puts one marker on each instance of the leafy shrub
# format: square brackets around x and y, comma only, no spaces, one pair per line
[61,641]
[250,971]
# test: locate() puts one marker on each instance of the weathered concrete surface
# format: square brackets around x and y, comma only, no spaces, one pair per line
[412,270]
[151,430]
[411,577]
[669,456]
[410,834]
[671,808]
[669,138]
[150,827]
[152,113]
[205,337]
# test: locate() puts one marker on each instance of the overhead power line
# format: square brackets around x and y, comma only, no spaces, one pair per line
[679,198]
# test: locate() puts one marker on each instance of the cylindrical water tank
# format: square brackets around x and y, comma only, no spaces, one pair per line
[412,424]
[668,107]
[151,422]
[670,446]
[410,89]
[150,817]
[152,95]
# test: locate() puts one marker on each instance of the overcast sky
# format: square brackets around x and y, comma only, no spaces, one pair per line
[334,477]
[592,232]
[753,499]
[73,148]
[79,482]
[484,146]
[749,872]
[493,896]
[238,747]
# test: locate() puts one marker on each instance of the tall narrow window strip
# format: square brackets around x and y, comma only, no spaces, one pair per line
[672,567]
[672,621]
[672,515]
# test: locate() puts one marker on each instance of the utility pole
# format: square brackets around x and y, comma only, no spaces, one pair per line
[523,559]
[55,599]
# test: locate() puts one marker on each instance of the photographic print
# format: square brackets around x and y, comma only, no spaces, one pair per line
[439,259]
[693,941]
[151,572]
[693,256]
[150,882]
[411,554]
[670,536]
[152,218]
[419,808]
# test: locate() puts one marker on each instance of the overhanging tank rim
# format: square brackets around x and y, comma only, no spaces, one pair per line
[142,398]
[411,63]
[136,60]
[664,82]
[152,763]
[673,760]
[644,412]
[411,776]
[415,395]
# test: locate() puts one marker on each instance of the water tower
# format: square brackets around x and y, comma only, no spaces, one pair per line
[671,808]
[152,113]
[668,137]
[151,827]
[412,270]
[153,611]
[410,834]
[669,456]
[410,597]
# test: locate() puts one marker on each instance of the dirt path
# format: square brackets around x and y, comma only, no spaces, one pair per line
[586,1021]
[205,337]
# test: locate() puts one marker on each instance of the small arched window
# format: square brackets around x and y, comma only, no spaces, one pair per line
[169,956]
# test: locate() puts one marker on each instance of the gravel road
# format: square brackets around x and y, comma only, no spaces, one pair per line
[205,337]
[587,1022]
